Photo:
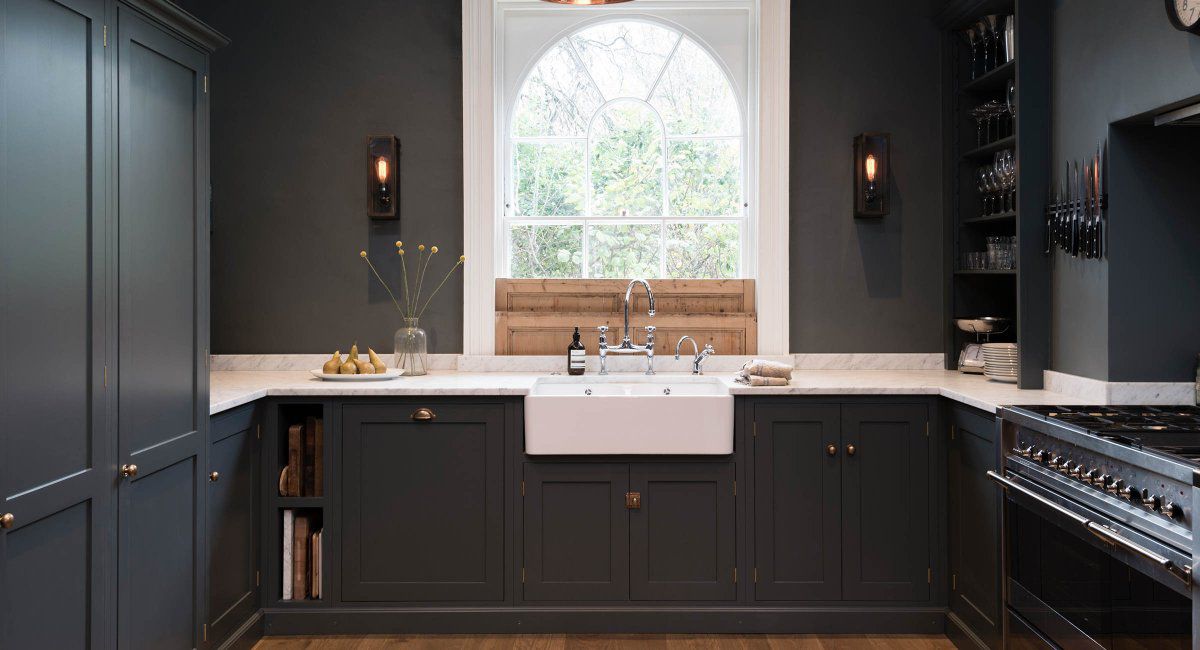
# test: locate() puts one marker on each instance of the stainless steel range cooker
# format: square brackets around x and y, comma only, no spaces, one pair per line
[1100,526]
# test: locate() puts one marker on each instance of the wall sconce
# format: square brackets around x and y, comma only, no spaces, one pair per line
[382,192]
[872,165]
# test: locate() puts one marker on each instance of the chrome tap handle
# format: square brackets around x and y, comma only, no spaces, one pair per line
[602,350]
[650,335]
[603,329]
[650,349]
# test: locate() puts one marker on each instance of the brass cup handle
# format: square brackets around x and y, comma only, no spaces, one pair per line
[7,520]
[851,450]
[831,450]
[423,415]
[128,471]
[213,477]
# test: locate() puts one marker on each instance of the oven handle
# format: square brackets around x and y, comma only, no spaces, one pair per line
[1101,531]
[1004,481]
[1110,536]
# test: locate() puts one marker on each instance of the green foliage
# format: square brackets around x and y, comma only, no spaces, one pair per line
[627,162]
[546,251]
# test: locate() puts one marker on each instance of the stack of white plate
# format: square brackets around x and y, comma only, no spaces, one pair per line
[1000,361]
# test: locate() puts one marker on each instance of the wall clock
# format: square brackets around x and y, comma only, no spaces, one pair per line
[1185,14]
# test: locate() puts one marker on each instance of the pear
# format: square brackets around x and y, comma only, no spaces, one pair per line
[348,368]
[376,361]
[364,368]
[331,366]
[353,352]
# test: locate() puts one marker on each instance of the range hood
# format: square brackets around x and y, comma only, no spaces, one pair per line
[1186,116]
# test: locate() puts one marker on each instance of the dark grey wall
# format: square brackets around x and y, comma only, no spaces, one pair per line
[293,99]
[865,285]
[1113,59]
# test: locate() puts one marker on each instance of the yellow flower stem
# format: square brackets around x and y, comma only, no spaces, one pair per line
[439,288]
[421,280]
[407,311]
[385,285]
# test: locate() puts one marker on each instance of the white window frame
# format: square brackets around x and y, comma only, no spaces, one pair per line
[765,230]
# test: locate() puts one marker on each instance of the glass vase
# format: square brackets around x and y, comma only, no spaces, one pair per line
[411,349]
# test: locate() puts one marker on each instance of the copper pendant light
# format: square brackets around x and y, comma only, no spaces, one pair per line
[586,2]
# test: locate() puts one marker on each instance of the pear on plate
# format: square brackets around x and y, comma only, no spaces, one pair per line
[348,368]
[364,367]
[353,352]
[331,366]
[376,362]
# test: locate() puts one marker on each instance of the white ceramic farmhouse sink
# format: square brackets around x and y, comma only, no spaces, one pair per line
[629,415]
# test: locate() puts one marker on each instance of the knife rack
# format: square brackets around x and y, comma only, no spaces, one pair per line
[1076,217]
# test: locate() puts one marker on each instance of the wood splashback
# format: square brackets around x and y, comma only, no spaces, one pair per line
[536,317]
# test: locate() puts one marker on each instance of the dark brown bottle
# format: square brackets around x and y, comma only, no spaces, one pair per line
[576,355]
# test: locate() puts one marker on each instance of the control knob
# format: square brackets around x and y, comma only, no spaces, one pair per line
[1039,455]
[1102,481]
[1131,493]
[1116,486]
[1151,501]
[1172,511]
[1091,476]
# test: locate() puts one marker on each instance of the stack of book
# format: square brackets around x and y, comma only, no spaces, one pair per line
[302,564]
[304,474]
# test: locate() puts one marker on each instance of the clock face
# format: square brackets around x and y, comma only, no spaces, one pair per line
[1187,13]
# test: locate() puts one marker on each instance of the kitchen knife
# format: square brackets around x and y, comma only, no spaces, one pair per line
[1097,210]
[1051,207]
[1076,199]
[1085,235]
[1103,183]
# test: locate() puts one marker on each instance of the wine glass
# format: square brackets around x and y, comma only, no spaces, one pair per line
[980,114]
[987,41]
[981,183]
[971,36]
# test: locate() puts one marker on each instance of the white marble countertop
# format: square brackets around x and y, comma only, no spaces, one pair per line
[229,389]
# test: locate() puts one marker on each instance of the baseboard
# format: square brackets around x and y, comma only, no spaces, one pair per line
[677,620]
[247,634]
[961,636]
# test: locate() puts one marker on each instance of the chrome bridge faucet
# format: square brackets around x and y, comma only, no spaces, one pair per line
[701,355]
[627,346]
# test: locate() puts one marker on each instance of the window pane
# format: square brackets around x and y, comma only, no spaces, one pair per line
[624,251]
[702,250]
[549,178]
[705,178]
[538,251]
[625,58]
[627,162]
[694,96]
[557,99]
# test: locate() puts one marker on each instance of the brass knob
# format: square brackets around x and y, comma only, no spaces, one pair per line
[831,450]
[214,476]
[128,470]
[850,450]
[7,520]
[423,415]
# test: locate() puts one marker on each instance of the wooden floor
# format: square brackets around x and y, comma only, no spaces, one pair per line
[610,642]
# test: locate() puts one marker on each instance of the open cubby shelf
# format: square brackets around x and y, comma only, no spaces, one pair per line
[990,149]
[993,81]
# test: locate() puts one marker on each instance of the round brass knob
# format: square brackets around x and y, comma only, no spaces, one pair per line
[214,476]
[423,415]
[128,470]
[7,520]
[831,450]
[850,450]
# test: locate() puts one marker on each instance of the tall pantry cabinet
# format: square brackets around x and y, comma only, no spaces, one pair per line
[103,323]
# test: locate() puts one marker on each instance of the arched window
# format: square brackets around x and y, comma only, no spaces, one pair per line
[626,158]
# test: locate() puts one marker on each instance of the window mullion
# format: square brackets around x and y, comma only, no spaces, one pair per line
[663,71]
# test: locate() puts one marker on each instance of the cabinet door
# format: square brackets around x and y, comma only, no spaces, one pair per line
[885,494]
[422,502]
[233,521]
[54,449]
[797,502]
[162,334]
[681,538]
[576,531]
[974,506]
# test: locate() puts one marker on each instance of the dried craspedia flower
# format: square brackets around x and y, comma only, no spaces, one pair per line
[399,244]
[462,258]
[362,253]
[433,250]
[420,247]
[401,251]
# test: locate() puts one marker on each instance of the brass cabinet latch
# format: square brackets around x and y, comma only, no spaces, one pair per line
[633,500]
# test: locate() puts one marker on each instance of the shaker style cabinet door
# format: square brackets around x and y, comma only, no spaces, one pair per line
[797,502]
[973,505]
[576,532]
[422,489]
[232,524]
[682,534]
[54,485]
[162,335]
[885,494]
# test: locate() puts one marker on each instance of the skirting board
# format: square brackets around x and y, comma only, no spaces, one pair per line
[677,620]
[247,635]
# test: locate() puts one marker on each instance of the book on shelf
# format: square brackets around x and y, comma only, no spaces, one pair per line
[289,519]
[295,459]
[304,473]
[302,566]
[300,559]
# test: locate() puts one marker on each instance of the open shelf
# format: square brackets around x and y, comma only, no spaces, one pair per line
[993,81]
[991,218]
[986,272]
[991,148]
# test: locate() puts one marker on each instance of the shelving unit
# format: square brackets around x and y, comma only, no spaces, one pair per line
[1021,294]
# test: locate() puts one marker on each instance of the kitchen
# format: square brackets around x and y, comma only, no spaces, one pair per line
[935,260]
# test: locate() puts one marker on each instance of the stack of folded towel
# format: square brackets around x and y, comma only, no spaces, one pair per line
[765,373]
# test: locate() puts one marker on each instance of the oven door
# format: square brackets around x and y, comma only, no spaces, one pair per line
[1082,580]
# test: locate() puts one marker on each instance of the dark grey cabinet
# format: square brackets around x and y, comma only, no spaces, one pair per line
[618,532]
[797,501]
[233,521]
[576,531]
[422,501]
[55,483]
[974,514]
[841,501]
[885,497]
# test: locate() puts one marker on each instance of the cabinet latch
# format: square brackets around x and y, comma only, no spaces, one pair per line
[633,500]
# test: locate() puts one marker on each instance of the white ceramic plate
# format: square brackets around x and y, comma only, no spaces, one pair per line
[390,373]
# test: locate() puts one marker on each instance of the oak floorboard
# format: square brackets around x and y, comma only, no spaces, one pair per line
[609,642]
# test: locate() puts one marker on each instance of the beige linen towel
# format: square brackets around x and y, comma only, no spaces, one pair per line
[755,380]
[764,368]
